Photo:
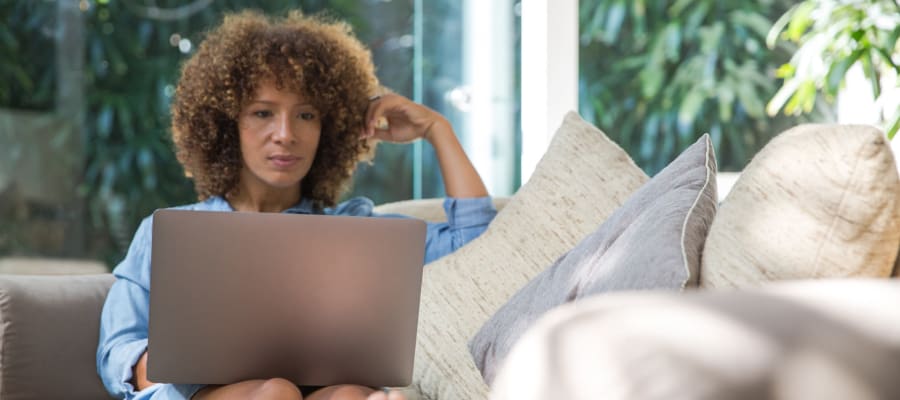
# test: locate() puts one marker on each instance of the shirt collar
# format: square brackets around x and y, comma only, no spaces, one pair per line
[305,206]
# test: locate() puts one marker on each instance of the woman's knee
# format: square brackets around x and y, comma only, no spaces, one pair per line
[277,388]
[342,392]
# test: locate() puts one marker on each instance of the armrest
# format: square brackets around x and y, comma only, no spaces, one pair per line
[430,210]
[49,328]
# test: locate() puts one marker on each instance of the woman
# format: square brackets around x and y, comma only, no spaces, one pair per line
[272,115]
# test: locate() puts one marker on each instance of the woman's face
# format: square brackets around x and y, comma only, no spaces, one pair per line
[279,133]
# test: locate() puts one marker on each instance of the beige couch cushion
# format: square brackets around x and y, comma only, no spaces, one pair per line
[50,266]
[653,241]
[581,179]
[49,328]
[825,339]
[431,210]
[818,201]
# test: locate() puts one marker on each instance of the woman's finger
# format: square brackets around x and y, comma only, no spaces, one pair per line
[376,110]
[381,123]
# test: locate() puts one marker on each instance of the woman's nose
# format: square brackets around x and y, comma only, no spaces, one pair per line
[283,131]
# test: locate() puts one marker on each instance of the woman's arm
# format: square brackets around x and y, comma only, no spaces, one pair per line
[395,118]
[122,346]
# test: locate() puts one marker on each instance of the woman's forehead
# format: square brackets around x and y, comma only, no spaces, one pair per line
[270,90]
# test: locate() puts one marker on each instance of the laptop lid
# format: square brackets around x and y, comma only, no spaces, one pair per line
[315,299]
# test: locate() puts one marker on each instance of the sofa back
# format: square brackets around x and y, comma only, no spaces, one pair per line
[49,329]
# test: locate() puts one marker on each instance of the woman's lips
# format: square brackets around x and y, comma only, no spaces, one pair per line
[284,161]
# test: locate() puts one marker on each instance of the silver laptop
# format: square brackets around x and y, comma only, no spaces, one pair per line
[315,299]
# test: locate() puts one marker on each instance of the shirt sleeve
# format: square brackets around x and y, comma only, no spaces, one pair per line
[123,323]
[466,220]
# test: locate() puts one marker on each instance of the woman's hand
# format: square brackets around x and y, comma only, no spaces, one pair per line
[139,379]
[394,118]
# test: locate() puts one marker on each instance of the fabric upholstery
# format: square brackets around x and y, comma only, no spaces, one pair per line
[824,340]
[50,266]
[653,241]
[430,210]
[818,201]
[49,327]
[578,183]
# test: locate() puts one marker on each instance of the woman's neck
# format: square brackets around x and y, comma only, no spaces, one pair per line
[260,199]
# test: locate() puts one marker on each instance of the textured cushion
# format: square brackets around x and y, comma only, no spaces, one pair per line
[825,339]
[817,201]
[49,328]
[653,241]
[578,183]
[50,266]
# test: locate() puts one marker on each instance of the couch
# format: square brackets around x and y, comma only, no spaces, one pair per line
[788,291]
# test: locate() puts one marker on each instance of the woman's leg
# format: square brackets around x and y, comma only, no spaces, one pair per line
[352,392]
[259,389]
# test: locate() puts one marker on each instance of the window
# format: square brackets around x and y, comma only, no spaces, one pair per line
[85,87]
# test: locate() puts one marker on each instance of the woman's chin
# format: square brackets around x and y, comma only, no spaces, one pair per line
[284,184]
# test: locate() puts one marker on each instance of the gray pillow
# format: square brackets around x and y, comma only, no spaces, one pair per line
[49,328]
[653,241]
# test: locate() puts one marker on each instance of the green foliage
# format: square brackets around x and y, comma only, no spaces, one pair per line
[657,75]
[833,36]
[26,34]
[132,57]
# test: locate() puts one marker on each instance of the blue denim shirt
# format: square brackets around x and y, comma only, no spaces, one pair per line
[123,323]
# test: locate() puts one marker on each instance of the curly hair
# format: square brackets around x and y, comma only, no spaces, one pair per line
[313,56]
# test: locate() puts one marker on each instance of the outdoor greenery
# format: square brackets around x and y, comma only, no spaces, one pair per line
[133,50]
[833,36]
[655,75]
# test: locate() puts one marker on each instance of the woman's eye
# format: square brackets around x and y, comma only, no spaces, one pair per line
[307,116]
[262,113]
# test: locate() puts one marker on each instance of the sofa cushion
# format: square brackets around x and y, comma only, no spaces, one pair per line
[653,241]
[49,328]
[817,201]
[431,210]
[50,266]
[578,183]
[825,339]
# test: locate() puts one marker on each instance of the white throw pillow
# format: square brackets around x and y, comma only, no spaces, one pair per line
[578,183]
[818,201]
[822,339]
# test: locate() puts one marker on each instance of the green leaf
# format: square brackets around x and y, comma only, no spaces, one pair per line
[725,96]
[785,71]
[892,131]
[672,34]
[801,20]
[891,41]
[711,37]
[756,22]
[679,6]
[781,97]
[651,81]
[690,107]
[750,100]
[886,57]
[868,66]
[699,13]
[614,20]
[104,121]
[803,99]
[779,26]
[837,72]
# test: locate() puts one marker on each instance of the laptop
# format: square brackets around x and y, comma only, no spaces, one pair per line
[315,299]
